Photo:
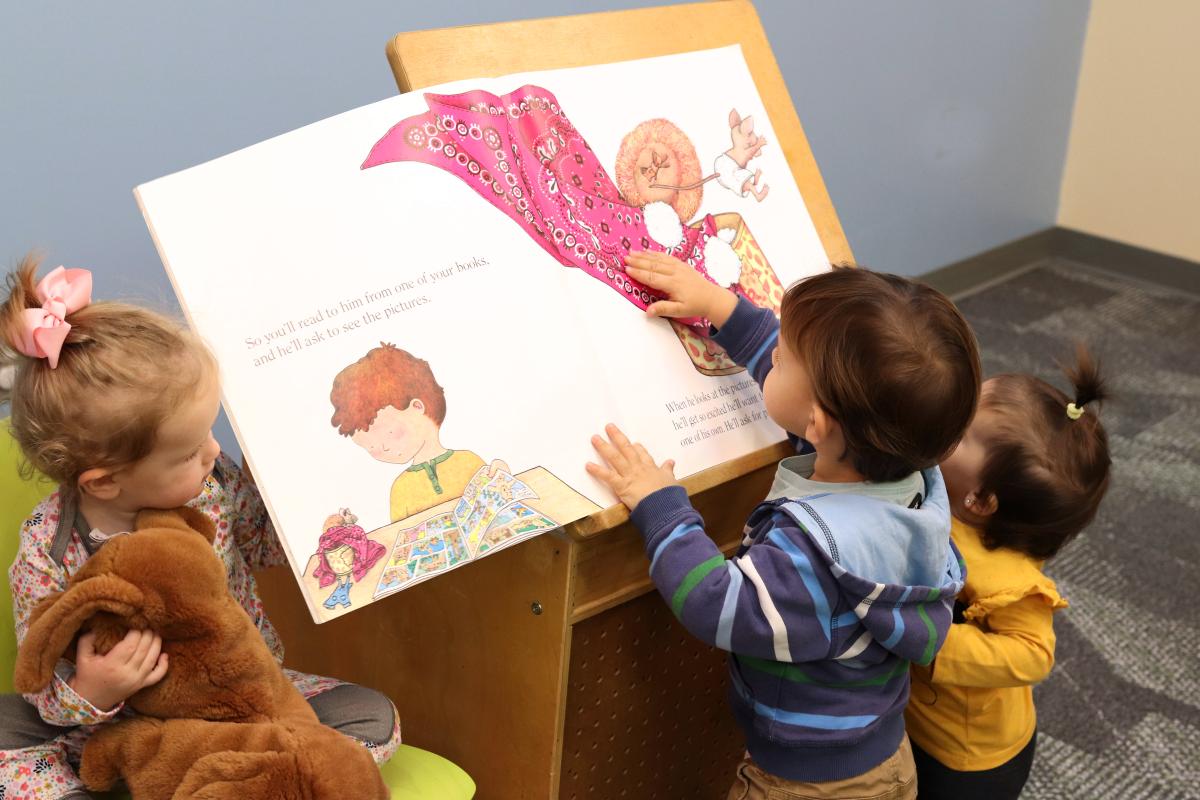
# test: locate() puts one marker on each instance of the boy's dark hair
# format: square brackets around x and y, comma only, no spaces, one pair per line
[1047,471]
[891,359]
[385,376]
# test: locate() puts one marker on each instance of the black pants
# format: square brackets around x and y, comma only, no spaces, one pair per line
[936,781]
[356,711]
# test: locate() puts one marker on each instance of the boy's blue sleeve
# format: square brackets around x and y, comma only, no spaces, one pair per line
[775,601]
[749,336]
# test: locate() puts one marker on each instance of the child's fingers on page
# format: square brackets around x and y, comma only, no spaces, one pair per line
[632,456]
[603,474]
[610,454]
[665,308]
[653,261]
[647,275]
[622,442]
[624,447]
[643,454]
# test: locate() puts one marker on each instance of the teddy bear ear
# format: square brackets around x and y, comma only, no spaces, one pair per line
[184,518]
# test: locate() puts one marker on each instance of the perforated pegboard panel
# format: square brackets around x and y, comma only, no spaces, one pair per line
[647,714]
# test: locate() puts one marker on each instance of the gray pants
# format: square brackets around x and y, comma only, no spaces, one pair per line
[361,713]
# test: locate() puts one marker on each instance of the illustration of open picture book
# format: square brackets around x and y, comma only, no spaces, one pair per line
[490,515]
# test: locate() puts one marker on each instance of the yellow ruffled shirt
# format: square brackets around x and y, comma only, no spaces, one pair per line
[972,708]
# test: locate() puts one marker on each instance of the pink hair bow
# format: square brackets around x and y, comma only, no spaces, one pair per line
[63,291]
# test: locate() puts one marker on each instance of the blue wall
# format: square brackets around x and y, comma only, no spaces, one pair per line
[940,126]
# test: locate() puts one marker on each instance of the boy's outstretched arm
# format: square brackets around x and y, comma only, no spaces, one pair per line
[776,601]
[748,333]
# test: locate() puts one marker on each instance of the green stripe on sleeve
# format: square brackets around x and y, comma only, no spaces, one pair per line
[692,580]
[928,654]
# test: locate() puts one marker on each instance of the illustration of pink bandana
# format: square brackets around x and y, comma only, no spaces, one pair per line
[521,153]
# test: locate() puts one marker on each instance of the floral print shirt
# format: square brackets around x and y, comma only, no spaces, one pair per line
[245,541]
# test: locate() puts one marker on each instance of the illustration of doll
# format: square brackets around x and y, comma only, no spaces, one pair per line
[345,555]
[731,166]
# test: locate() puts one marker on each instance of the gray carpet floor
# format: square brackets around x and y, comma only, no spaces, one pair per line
[1119,716]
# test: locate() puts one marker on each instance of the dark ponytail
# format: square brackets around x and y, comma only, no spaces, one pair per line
[1090,386]
[1048,465]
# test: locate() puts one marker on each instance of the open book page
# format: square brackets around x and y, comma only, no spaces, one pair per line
[295,264]
[421,303]
[711,412]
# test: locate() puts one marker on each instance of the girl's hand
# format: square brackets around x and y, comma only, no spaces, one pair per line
[497,465]
[690,293]
[137,661]
[631,472]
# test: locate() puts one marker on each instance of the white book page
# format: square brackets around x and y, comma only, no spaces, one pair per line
[677,412]
[287,285]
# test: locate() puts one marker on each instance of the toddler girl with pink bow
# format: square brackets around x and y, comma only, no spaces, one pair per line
[116,404]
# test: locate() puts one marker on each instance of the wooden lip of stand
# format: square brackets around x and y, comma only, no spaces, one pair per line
[426,58]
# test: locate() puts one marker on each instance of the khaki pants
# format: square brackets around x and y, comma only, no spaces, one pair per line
[894,779]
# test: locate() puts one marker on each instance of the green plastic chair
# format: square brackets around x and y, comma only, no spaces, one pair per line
[412,773]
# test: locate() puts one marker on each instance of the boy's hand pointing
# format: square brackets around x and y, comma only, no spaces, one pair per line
[689,293]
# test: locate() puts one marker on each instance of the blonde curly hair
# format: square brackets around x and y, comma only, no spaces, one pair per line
[669,135]
[122,371]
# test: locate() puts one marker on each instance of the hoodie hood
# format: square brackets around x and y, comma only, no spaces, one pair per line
[889,561]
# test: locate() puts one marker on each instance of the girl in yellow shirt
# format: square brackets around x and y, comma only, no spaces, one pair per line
[1025,479]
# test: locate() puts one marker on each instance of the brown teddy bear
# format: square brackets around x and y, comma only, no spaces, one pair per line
[224,722]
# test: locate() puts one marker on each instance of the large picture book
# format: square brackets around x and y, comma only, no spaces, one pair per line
[421,311]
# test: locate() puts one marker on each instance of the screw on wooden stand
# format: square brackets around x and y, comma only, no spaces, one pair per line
[536,608]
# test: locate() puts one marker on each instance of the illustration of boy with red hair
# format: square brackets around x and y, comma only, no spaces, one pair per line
[389,403]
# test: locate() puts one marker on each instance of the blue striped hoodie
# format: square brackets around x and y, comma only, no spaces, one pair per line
[827,601]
